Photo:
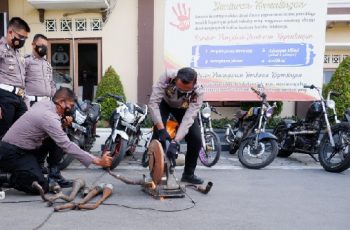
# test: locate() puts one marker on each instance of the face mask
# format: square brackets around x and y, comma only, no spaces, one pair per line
[181,93]
[41,50]
[67,112]
[17,43]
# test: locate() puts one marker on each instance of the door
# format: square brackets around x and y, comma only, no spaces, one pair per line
[76,64]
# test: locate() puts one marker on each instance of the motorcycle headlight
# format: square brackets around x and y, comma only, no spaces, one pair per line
[128,117]
[269,112]
[206,112]
[79,117]
[330,104]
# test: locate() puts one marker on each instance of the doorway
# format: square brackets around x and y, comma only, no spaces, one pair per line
[79,61]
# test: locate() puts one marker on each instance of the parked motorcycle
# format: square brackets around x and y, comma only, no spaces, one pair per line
[126,132]
[83,129]
[305,136]
[211,146]
[256,148]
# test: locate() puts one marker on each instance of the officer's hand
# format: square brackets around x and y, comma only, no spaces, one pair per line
[67,121]
[163,135]
[172,152]
[105,161]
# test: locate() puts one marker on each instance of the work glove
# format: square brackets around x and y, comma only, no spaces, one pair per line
[163,135]
[172,152]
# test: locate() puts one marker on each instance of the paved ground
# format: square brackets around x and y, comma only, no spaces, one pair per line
[294,193]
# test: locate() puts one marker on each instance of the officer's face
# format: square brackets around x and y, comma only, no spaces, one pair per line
[16,35]
[65,106]
[39,42]
[184,88]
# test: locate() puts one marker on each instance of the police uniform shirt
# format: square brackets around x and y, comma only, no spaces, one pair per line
[38,81]
[11,66]
[42,121]
[165,89]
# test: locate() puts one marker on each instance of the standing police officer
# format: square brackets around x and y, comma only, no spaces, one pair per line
[39,84]
[179,95]
[12,78]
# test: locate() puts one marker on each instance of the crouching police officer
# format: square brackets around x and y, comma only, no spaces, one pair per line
[12,74]
[21,147]
[179,95]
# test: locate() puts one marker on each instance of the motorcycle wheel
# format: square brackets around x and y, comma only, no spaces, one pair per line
[67,158]
[117,149]
[336,159]
[281,134]
[210,154]
[259,157]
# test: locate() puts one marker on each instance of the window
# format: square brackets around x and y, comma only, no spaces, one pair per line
[80,24]
[66,24]
[327,75]
[96,24]
[50,25]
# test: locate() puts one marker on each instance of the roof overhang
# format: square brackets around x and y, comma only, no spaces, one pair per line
[69,4]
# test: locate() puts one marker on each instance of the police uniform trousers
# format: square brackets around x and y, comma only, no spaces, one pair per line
[24,164]
[193,137]
[12,107]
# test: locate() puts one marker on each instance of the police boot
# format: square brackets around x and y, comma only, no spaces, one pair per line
[55,175]
[4,178]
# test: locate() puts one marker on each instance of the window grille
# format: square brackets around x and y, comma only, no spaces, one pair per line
[80,24]
[66,24]
[50,25]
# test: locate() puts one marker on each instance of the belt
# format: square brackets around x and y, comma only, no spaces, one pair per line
[38,98]
[13,89]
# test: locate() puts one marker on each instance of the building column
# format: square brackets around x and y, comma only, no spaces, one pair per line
[145,49]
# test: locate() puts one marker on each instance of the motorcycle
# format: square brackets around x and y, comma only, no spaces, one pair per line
[125,121]
[306,136]
[210,152]
[256,148]
[211,146]
[82,132]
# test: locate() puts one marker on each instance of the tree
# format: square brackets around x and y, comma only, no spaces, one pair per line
[110,83]
[340,82]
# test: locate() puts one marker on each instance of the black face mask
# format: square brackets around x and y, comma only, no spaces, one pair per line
[41,50]
[17,43]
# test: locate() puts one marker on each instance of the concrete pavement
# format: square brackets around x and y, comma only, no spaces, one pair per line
[293,193]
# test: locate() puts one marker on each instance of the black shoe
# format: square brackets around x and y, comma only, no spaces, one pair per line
[193,179]
[55,175]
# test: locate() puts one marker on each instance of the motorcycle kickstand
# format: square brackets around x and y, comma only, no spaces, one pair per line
[313,157]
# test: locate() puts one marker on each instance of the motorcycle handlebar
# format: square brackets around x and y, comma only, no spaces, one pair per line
[260,94]
[309,86]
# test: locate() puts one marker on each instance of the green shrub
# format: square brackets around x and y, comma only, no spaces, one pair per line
[340,82]
[110,83]
[220,123]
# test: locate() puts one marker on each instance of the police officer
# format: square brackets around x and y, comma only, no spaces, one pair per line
[12,73]
[179,95]
[22,144]
[39,84]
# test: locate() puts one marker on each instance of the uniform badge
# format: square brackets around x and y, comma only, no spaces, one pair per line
[11,67]
[184,105]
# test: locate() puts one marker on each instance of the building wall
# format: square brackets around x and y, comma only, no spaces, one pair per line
[119,37]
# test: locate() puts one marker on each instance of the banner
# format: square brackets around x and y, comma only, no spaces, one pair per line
[238,44]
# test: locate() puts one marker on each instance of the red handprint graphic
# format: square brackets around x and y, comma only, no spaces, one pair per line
[183,17]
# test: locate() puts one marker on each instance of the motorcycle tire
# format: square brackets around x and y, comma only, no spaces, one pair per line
[66,159]
[339,130]
[281,134]
[247,145]
[117,148]
[206,155]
